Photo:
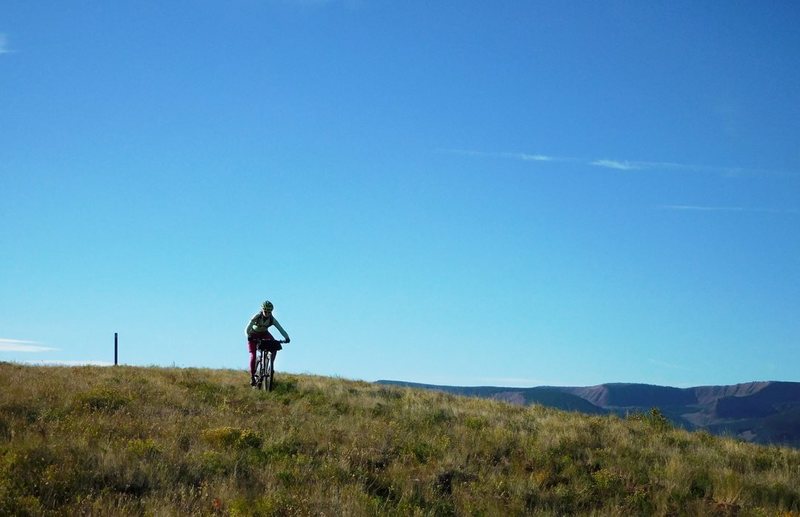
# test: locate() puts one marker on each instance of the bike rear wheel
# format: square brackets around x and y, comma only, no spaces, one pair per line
[270,374]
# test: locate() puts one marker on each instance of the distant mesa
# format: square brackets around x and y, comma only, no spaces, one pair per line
[759,412]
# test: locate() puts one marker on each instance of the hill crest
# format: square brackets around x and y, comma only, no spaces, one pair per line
[173,441]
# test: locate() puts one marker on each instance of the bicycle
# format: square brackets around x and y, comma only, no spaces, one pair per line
[265,362]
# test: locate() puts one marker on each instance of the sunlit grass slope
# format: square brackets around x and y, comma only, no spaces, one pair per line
[156,441]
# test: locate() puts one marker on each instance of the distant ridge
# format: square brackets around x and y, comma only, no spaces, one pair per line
[765,412]
[544,395]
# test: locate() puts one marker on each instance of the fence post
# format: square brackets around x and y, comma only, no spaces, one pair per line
[116,348]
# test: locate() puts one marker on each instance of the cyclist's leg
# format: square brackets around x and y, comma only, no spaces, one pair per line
[251,346]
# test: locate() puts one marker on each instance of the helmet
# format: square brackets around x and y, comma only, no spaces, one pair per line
[267,305]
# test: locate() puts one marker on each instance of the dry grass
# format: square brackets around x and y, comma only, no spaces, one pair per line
[159,441]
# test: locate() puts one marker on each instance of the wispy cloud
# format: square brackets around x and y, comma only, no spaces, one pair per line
[527,157]
[709,208]
[615,164]
[684,167]
[698,208]
[536,158]
[4,45]
[349,4]
[627,165]
[16,345]
[44,362]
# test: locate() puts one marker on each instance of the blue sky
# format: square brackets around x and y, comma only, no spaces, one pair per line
[506,193]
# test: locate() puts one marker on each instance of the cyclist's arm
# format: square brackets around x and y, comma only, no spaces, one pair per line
[280,329]
[249,328]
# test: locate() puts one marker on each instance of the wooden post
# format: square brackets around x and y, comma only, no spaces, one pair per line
[116,348]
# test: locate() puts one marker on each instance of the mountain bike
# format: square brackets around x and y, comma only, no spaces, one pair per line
[265,362]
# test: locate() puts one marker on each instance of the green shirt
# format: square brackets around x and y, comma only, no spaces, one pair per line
[260,323]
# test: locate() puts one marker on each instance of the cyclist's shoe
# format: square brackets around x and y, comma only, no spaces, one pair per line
[253,380]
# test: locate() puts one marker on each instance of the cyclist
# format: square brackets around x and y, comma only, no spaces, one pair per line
[258,328]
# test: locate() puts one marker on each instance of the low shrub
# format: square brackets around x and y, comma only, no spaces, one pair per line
[232,437]
[102,399]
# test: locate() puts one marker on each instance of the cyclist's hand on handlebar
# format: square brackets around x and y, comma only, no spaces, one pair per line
[287,340]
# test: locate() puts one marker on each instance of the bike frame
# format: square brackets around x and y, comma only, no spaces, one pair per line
[265,362]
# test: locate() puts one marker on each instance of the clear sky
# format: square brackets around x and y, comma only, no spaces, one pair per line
[462,192]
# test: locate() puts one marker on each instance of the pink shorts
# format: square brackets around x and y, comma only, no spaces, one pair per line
[251,346]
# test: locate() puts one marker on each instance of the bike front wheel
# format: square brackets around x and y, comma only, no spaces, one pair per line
[259,375]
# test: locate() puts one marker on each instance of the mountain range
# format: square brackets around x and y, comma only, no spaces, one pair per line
[759,412]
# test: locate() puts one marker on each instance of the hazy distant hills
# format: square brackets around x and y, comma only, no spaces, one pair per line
[761,412]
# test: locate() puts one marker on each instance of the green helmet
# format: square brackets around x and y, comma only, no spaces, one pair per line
[267,305]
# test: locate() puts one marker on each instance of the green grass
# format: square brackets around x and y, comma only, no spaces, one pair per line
[158,441]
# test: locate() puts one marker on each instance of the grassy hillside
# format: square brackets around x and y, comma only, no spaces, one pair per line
[160,441]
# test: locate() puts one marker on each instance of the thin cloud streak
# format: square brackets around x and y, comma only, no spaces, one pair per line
[16,345]
[698,208]
[514,156]
[614,164]
[701,208]
[4,45]
[627,165]
[536,158]
[45,362]
[689,167]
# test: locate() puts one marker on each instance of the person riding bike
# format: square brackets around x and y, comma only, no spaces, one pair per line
[258,329]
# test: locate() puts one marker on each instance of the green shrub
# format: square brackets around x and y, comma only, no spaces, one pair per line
[284,387]
[25,412]
[283,450]
[438,416]
[275,503]
[608,483]
[213,463]
[381,410]
[476,423]
[143,448]
[5,429]
[102,399]
[654,418]
[232,437]
[205,391]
